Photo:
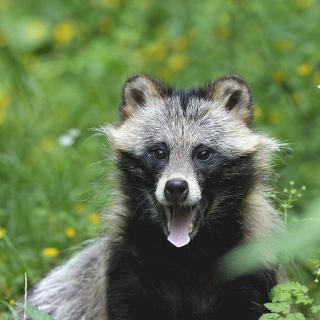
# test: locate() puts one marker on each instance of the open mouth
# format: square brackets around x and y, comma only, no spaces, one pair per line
[180,222]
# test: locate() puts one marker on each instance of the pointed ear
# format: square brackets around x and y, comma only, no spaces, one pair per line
[234,94]
[137,91]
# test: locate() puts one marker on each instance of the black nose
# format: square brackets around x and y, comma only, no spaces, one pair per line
[176,190]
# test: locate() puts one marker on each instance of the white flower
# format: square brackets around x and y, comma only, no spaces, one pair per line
[68,139]
[74,132]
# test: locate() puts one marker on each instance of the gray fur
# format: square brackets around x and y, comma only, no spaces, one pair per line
[77,290]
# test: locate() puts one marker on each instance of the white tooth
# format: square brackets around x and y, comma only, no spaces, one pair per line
[190,228]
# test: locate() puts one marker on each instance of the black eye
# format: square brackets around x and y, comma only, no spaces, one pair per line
[159,154]
[204,155]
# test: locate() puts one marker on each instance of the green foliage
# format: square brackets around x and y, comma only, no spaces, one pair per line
[62,65]
[35,313]
[315,309]
[285,298]
[291,293]
[288,198]
[280,307]
[270,316]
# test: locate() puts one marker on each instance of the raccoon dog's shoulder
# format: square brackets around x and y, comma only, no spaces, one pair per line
[75,290]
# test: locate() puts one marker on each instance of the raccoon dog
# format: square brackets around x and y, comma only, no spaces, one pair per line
[192,177]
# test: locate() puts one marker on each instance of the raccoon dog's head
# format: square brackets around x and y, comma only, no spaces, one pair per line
[187,156]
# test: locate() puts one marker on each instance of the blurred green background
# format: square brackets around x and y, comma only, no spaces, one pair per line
[62,66]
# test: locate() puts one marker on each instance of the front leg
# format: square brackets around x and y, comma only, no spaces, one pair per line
[244,298]
[127,298]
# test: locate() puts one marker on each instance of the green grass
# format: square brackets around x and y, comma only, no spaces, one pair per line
[62,66]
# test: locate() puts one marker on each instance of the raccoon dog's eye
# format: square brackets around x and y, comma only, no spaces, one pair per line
[159,154]
[204,155]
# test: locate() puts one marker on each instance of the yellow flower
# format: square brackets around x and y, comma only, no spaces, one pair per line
[177,62]
[29,60]
[106,24]
[180,43]
[70,232]
[222,33]
[3,233]
[50,252]
[165,73]
[257,111]
[110,3]
[316,77]
[279,75]
[275,117]
[4,4]
[224,17]
[303,4]
[37,30]
[80,207]
[296,97]
[64,32]
[156,51]
[3,40]
[12,302]
[94,218]
[4,102]
[47,144]
[285,45]
[304,69]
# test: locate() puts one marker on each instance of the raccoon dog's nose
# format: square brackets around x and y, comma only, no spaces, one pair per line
[176,190]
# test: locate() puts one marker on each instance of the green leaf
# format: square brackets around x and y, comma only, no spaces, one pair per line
[292,293]
[315,309]
[295,316]
[35,313]
[315,262]
[270,316]
[278,307]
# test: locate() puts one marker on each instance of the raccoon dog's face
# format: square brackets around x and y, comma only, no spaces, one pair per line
[186,153]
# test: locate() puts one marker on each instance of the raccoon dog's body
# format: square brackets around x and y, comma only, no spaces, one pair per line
[191,179]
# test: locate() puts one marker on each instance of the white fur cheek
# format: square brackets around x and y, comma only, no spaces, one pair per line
[253,143]
[246,144]
[125,138]
[194,195]
[239,142]
[160,191]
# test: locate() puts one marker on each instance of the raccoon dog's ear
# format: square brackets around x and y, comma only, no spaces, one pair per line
[137,91]
[234,94]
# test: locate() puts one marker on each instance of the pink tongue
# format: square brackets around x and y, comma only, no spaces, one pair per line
[179,226]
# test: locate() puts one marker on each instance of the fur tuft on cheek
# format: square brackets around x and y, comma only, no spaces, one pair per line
[246,145]
[124,138]
[267,147]
[257,142]
[110,131]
